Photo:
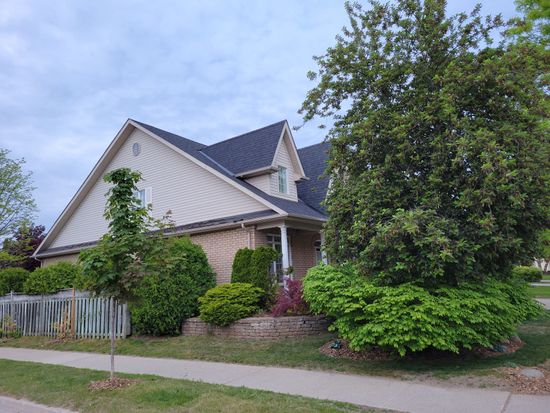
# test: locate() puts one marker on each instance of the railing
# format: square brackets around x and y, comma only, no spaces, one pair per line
[68,313]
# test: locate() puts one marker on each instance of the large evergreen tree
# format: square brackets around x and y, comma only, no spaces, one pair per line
[439,148]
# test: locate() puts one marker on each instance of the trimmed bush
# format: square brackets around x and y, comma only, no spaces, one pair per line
[529,274]
[12,279]
[290,301]
[51,279]
[260,264]
[408,318]
[253,267]
[227,303]
[241,271]
[169,292]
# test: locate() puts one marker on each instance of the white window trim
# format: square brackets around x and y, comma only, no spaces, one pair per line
[145,195]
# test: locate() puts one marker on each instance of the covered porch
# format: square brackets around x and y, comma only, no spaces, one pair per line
[299,243]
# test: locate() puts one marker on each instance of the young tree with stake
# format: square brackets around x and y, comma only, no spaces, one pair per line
[113,267]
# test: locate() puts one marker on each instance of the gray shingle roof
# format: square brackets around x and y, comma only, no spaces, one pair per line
[184,144]
[314,160]
[234,153]
[266,135]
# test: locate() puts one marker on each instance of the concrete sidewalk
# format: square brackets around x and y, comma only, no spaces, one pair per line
[406,396]
[10,405]
[545,302]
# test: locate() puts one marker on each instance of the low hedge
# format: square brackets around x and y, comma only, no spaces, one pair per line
[12,279]
[409,318]
[227,303]
[525,273]
[51,279]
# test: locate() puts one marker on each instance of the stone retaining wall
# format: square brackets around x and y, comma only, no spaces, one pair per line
[265,328]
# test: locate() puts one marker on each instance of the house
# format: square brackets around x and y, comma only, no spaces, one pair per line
[250,190]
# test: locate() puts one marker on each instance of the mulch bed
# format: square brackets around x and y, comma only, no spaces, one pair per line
[345,352]
[507,346]
[528,385]
[376,354]
[111,384]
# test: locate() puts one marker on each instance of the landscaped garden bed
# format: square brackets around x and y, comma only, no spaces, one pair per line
[262,327]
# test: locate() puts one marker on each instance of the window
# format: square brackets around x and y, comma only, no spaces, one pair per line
[140,194]
[283,180]
[144,196]
[274,241]
[318,252]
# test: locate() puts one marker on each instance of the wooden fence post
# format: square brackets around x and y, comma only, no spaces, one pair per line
[73,314]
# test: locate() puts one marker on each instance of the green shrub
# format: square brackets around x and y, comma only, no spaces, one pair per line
[529,274]
[227,303]
[169,292]
[416,246]
[261,261]
[253,267]
[408,318]
[12,279]
[241,271]
[51,279]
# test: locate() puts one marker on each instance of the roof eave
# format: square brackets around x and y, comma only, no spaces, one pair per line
[212,228]
[257,172]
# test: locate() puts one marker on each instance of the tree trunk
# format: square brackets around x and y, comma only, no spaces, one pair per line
[112,338]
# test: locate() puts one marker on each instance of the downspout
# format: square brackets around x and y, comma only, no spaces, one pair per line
[249,235]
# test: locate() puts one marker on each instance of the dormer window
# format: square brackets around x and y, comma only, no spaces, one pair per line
[283,180]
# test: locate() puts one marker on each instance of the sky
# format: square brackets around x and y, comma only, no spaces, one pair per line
[72,72]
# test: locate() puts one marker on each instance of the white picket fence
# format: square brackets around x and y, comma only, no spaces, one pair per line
[52,315]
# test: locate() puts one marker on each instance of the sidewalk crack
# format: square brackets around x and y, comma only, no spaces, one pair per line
[506,402]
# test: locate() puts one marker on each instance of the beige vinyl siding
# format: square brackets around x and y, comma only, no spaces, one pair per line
[261,182]
[178,184]
[54,260]
[282,158]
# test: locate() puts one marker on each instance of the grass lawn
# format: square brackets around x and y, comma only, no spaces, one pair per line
[68,387]
[546,277]
[541,292]
[303,353]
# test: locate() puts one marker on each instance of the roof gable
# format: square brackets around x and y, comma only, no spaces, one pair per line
[247,152]
[314,159]
[197,152]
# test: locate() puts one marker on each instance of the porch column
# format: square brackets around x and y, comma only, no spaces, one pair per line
[323,253]
[284,247]
[285,254]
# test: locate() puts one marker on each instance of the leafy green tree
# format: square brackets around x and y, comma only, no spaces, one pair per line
[435,128]
[22,245]
[535,26]
[16,201]
[113,267]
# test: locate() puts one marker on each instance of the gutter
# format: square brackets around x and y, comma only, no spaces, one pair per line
[212,228]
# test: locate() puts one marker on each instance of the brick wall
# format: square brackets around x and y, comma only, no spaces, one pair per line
[220,248]
[303,251]
[264,328]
